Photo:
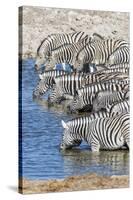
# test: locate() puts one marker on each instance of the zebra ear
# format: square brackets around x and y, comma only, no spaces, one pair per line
[40,76]
[64,124]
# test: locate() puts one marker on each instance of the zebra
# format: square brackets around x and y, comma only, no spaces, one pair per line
[121,68]
[105,98]
[108,133]
[120,107]
[127,94]
[98,51]
[66,53]
[86,95]
[67,84]
[90,117]
[121,55]
[47,81]
[53,41]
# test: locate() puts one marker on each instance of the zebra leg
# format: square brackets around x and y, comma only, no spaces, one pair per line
[95,145]
[127,141]
[126,134]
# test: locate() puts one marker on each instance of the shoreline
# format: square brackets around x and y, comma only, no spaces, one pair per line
[91,181]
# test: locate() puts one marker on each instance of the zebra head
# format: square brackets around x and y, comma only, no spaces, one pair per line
[56,96]
[76,103]
[41,60]
[100,101]
[69,138]
[40,89]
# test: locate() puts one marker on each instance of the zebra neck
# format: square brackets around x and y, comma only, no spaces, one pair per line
[80,126]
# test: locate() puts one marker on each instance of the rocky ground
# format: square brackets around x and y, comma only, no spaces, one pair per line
[74,183]
[37,22]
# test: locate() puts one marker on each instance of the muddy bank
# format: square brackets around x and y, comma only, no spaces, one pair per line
[74,183]
[36,23]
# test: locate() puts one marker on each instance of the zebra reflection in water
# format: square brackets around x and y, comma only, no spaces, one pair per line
[107,162]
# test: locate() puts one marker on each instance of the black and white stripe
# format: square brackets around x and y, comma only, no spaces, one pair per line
[121,68]
[66,53]
[69,84]
[121,55]
[119,107]
[52,42]
[98,51]
[105,98]
[102,133]
[47,81]
[86,95]
[66,86]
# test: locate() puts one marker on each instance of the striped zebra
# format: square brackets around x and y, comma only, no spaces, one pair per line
[119,107]
[127,94]
[66,53]
[68,84]
[98,51]
[105,98]
[121,68]
[52,42]
[47,81]
[121,55]
[114,135]
[86,95]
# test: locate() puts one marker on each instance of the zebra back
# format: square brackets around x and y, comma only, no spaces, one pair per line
[120,55]
[69,83]
[55,40]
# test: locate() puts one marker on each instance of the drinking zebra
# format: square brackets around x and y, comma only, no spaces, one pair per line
[47,81]
[121,55]
[105,98]
[98,51]
[102,133]
[86,95]
[52,42]
[66,53]
[68,84]
[90,117]
[119,107]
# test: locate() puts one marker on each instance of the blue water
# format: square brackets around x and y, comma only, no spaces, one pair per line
[41,135]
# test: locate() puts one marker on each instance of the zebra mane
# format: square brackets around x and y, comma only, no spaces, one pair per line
[38,49]
[98,35]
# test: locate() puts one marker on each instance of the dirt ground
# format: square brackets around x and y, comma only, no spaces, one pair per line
[36,23]
[74,183]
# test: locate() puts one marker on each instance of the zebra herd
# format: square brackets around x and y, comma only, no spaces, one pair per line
[102,95]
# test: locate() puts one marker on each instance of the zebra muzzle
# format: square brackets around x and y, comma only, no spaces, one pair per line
[36,67]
